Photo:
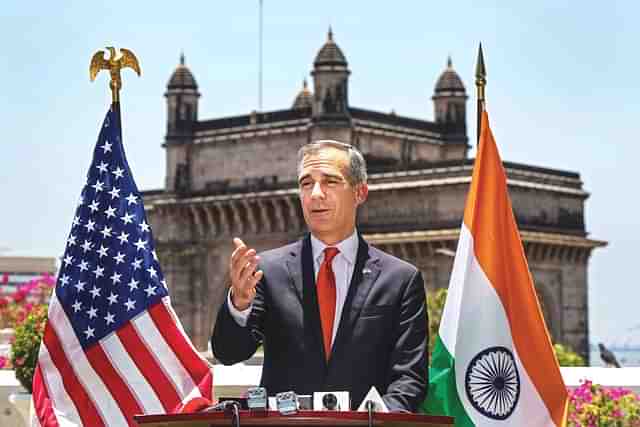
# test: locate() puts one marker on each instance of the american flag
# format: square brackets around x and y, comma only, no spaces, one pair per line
[113,347]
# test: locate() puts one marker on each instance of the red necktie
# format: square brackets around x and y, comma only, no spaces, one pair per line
[326,287]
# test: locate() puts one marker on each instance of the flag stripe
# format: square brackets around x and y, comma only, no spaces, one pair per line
[84,373]
[197,368]
[103,367]
[64,410]
[41,400]
[511,280]
[149,367]
[443,393]
[86,408]
[485,325]
[145,395]
[166,356]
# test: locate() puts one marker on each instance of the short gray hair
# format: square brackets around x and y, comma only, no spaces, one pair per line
[356,172]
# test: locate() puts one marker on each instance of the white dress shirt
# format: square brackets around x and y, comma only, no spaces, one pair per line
[343,265]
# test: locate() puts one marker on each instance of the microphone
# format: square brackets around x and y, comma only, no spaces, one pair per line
[331,401]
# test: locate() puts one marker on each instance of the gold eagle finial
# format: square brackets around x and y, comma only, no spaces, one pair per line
[114,64]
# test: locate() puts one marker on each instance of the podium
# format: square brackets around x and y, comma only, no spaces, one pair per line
[299,419]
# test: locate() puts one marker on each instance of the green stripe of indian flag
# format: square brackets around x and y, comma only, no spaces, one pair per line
[473,320]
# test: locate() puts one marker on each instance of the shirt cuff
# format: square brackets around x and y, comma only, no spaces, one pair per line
[240,317]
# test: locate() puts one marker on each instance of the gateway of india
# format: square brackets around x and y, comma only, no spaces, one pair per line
[236,176]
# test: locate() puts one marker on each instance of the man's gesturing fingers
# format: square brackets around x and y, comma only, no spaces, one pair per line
[244,277]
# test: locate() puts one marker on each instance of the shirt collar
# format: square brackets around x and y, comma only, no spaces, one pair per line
[348,248]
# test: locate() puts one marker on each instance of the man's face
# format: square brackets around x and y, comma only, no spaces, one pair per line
[329,202]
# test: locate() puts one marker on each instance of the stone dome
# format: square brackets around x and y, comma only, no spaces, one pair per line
[304,99]
[182,78]
[330,53]
[449,80]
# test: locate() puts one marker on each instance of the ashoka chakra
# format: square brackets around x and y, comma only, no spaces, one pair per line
[492,383]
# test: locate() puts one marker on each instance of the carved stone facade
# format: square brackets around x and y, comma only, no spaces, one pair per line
[236,176]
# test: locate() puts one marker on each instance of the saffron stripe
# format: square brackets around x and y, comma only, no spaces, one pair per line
[117,387]
[149,367]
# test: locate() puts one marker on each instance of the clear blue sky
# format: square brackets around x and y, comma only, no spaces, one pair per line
[563,93]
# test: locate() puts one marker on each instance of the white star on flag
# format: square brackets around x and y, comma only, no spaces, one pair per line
[68,260]
[106,232]
[130,304]
[90,225]
[106,147]
[102,167]
[133,284]
[83,266]
[77,306]
[89,332]
[119,258]
[86,246]
[110,212]
[152,272]
[64,280]
[95,292]
[144,227]
[115,193]
[72,240]
[113,298]
[131,199]
[99,271]
[127,218]
[118,173]
[115,278]
[98,186]
[92,312]
[79,286]
[136,264]
[140,244]
[109,318]
[151,290]
[124,238]
[102,252]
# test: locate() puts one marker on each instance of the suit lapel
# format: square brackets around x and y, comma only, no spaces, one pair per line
[294,266]
[365,273]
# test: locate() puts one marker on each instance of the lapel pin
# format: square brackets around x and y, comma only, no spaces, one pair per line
[366,271]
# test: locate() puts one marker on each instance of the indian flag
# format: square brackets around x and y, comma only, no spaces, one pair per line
[493,363]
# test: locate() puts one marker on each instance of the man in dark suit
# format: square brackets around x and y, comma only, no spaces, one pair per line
[332,312]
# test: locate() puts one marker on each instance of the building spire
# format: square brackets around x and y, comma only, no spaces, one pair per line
[182,57]
[449,62]
[330,34]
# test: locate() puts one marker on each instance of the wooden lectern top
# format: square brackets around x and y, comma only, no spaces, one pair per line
[299,419]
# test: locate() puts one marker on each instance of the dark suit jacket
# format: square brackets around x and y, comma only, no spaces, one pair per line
[381,340]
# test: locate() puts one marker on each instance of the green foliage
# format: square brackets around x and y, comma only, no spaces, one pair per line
[26,345]
[567,357]
[435,305]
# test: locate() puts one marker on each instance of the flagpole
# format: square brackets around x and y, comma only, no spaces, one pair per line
[481,82]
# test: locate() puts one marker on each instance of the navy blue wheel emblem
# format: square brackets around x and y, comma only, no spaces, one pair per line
[492,383]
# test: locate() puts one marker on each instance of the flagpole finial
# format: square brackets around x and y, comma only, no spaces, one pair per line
[127,59]
[481,82]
